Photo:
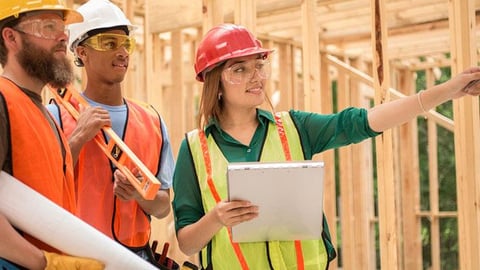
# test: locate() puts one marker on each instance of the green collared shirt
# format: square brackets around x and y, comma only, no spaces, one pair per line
[318,132]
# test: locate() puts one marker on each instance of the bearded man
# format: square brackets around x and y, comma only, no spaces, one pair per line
[32,148]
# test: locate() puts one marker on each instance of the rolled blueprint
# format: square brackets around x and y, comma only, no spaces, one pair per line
[34,214]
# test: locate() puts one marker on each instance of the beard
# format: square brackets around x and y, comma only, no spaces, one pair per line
[42,64]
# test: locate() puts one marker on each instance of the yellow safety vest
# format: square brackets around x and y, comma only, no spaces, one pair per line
[281,143]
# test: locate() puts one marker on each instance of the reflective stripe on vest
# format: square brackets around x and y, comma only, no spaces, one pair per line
[37,159]
[124,221]
[212,181]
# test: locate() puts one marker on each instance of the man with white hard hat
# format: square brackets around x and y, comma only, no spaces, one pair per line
[102,44]
[33,45]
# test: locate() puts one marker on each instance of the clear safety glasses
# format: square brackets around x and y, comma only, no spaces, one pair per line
[43,28]
[110,42]
[243,72]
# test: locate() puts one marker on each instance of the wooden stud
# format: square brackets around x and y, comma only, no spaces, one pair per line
[310,58]
[467,136]
[212,11]
[387,209]
[362,180]
[347,201]
[245,13]
[177,91]
[410,181]
[330,193]
[285,76]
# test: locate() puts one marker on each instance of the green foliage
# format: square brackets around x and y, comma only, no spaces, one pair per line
[449,243]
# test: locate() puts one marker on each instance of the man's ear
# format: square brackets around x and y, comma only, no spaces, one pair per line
[80,56]
[80,51]
[8,34]
[10,37]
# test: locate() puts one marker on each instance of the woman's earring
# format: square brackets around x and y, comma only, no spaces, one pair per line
[219,96]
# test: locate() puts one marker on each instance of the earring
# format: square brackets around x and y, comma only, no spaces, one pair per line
[219,96]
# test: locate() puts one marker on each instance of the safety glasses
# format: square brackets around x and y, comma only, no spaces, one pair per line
[43,28]
[110,42]
[243,72]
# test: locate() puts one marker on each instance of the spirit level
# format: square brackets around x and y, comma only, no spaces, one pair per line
[116,150]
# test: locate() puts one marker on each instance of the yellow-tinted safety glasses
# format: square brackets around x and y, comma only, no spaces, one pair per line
[110,42]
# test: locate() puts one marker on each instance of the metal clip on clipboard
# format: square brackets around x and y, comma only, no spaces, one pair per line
[116,150]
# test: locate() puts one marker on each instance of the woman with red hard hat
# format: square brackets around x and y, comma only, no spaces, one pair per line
[225,42]
[234,68]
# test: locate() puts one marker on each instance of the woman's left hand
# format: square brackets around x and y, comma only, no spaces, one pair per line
[465,83]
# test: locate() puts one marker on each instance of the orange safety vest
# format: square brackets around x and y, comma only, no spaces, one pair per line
[124,221]
[37,159]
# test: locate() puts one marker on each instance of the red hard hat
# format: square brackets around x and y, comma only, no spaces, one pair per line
[224,42]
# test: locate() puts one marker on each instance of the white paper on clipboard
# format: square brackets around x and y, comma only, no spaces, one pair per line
[289,196]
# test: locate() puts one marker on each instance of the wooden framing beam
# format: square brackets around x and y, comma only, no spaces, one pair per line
[410,181]
[387,196]
[177,118]
[311,58]
[245,13]
[347,200]
[467,136]
[330,198]
[212,12]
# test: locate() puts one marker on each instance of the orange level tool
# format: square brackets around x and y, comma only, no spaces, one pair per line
[116,150]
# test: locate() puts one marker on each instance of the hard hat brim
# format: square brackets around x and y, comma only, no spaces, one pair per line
[72,16]
[69,15]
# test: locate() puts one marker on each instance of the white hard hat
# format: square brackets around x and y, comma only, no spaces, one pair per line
[97,14]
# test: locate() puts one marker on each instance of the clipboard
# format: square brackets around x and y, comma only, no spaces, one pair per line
[289,195]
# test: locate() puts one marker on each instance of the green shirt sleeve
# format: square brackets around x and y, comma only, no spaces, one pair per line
[320,132]
[187,201]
